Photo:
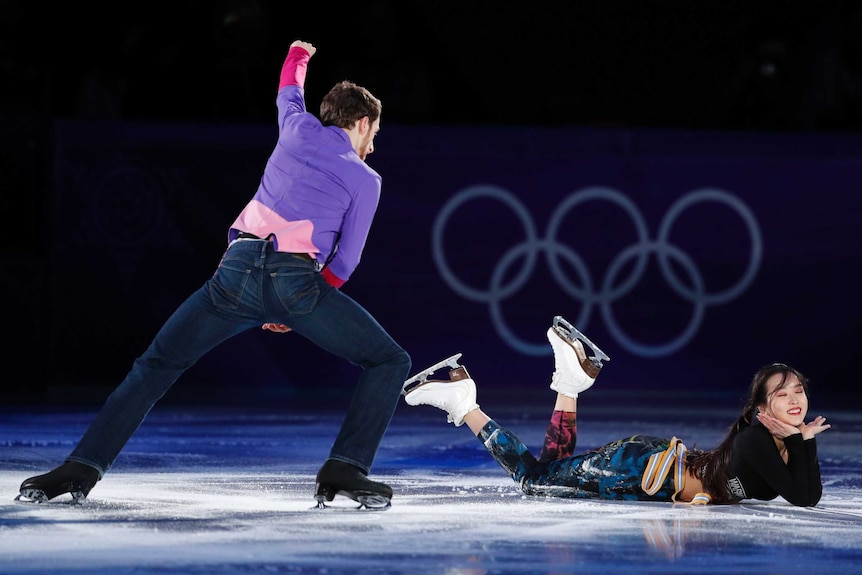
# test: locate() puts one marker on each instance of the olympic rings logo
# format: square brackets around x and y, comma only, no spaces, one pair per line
[611,289]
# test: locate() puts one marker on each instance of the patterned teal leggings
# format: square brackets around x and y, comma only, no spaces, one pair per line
[613,471]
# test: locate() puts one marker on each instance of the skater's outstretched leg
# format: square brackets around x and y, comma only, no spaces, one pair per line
[457,397]
[574,373]
[509,451]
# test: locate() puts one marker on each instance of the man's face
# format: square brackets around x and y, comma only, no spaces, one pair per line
[366,146]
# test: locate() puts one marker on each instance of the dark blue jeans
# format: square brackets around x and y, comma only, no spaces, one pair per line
[254,285]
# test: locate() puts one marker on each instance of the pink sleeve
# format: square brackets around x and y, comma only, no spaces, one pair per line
[294,68]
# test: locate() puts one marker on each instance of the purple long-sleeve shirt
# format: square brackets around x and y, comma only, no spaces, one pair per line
[316,194]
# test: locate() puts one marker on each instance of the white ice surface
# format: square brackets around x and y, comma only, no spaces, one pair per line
[219,492]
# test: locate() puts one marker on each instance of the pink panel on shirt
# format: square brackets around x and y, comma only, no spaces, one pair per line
[291,237]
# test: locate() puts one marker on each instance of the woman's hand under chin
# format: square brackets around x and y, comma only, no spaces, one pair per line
[777,427]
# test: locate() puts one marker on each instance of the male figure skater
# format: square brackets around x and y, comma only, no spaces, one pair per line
[293,245]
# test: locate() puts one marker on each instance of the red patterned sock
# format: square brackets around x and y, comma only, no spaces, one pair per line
[560,437]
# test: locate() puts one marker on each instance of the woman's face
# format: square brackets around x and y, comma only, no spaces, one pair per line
[787,403]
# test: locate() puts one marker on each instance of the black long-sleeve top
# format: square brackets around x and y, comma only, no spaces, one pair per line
[757,470]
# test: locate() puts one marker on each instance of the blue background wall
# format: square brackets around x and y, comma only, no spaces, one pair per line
[681,181]
[690,258]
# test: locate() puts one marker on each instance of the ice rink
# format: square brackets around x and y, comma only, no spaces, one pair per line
[215,491]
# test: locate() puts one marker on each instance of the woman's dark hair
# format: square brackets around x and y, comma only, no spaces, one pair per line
[711,466]
[346,103]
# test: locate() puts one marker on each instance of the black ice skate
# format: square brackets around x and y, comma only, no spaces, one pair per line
[339,478]
[72,477]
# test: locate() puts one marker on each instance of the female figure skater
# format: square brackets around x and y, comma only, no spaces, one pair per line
[768,451]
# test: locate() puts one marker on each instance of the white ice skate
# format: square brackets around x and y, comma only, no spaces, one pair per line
[456,395]
[574,372]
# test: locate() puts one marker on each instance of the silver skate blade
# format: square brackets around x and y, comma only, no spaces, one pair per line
[360,504]
[37,496]
[35,500]
[374,502]
[337,509]
[32,496]
[422,376]
[571,333]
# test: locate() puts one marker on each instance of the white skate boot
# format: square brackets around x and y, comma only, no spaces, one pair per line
[574,371]
[456,396]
